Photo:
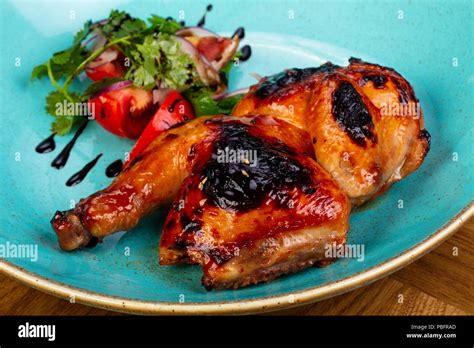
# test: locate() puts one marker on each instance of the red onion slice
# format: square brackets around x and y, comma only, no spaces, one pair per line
[231,94]
[99,40]
[89,40]
[207,73]
[227,55]
[102,21]
[195,31]
[106,57]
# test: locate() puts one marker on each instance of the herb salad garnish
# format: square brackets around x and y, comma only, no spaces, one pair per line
[152,56]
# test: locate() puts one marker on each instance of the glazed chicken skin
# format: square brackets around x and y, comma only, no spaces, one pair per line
[364,120]
[252,220]
[323,138]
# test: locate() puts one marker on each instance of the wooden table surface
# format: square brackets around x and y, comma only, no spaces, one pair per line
[440,283]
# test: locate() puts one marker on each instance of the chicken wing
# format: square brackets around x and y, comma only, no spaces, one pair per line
[149,181]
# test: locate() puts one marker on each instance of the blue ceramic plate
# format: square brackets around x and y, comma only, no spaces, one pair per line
[429,42]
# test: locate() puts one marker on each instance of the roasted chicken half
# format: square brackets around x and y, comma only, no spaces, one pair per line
[262,193]
[268,211]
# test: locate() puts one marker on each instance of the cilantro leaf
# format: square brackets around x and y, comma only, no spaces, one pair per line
[62,125]
[61,58]
[159,58]
[162,25]
[53,100]
[83,33]
[204,104]
[39,72]
[62,63]
[121,24]
[57,105]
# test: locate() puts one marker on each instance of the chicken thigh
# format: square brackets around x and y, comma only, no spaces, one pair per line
[271,211]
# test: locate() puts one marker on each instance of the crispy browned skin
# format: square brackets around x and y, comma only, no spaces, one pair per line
[253,221]
[365,122]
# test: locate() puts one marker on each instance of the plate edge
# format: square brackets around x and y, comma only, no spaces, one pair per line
[265,304]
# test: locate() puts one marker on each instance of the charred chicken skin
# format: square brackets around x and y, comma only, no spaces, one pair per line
[304,145]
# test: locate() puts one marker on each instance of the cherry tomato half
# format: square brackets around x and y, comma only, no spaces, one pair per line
[124,112]
[174,109]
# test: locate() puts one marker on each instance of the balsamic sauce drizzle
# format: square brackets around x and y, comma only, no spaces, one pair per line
[47,145]
[114,169]
[246,53]
[202,21]
[240,32]
[80,175]
[61,159]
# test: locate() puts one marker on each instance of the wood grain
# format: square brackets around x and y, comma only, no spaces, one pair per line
[440,283]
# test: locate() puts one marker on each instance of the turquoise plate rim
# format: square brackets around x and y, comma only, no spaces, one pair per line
[263,304]
[434,199]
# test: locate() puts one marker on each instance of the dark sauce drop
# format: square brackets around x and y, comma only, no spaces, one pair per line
[202,21]
[80,175]
[173,104]
[246,53]
[47,145]
[61,159]
[240,32]
[114,169]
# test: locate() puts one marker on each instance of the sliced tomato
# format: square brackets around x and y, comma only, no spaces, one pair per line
[212,47]
[174,110]
[124,112]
